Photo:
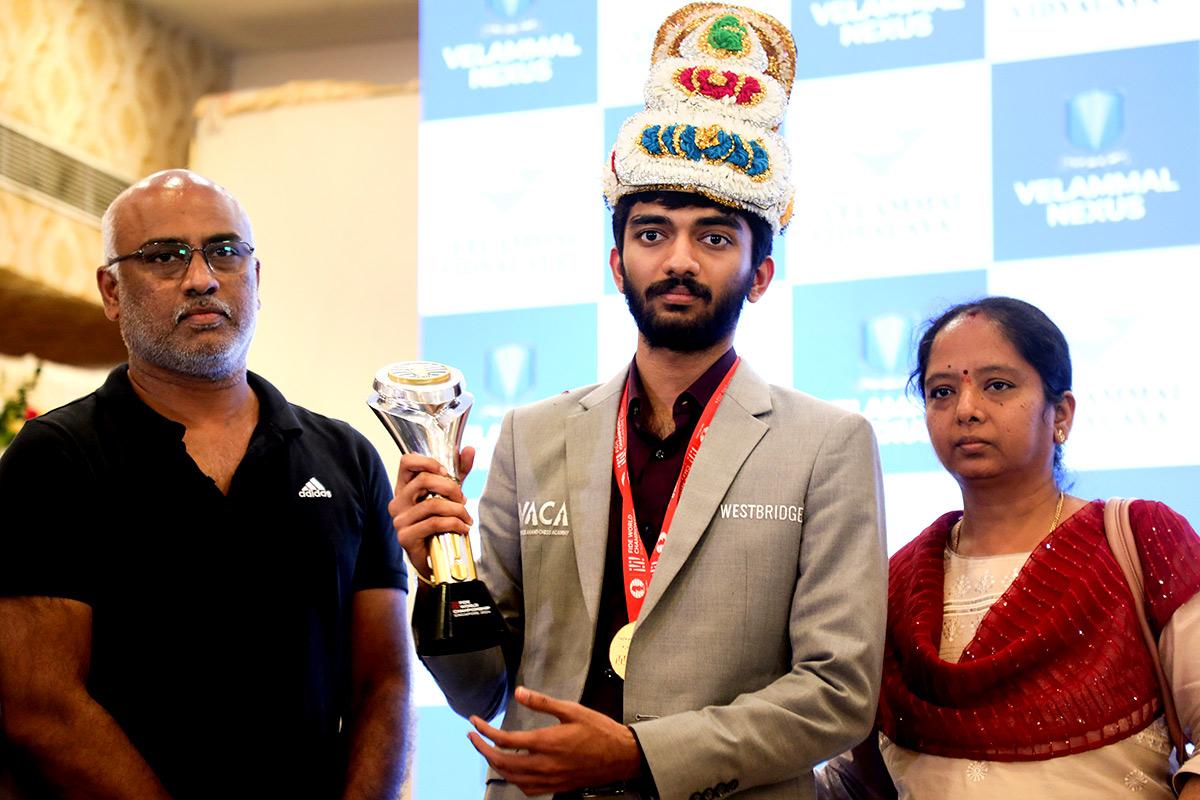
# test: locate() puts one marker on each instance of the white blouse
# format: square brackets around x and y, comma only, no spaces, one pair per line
[1136,764]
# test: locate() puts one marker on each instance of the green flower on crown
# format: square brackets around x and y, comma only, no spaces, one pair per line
[728,33]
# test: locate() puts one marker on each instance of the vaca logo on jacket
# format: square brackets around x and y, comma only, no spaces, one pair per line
[544,518]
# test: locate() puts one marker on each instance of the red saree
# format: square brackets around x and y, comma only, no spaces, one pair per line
[1057,666]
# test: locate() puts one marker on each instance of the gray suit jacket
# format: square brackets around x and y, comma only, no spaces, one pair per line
[757,652]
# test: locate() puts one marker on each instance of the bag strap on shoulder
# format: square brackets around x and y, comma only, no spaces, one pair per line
[1119,533]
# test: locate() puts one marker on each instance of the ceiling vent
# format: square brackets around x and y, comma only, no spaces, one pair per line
[51,175]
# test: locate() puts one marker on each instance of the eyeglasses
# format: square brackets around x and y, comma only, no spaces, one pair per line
[172,259]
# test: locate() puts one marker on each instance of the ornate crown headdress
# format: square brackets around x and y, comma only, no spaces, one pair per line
[720,78]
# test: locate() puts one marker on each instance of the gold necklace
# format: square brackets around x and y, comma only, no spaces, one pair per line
[956,531]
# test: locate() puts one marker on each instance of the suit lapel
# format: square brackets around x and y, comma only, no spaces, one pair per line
[734,433]
[589,454]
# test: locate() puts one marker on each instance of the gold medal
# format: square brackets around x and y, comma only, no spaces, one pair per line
[618,649]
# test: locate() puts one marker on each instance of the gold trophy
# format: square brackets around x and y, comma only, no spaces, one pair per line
[424,407]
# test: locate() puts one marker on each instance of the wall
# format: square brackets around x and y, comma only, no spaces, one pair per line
[388,62]
[333,201]
[105,82]
[330,186]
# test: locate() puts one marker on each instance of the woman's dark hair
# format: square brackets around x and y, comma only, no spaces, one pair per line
[1028,330]
[761,235]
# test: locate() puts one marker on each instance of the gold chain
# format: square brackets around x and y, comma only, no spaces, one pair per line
[956,531]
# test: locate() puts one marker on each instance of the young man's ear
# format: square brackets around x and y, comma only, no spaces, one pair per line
[762,279]
[614,265]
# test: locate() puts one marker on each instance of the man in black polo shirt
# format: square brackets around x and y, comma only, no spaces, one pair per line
[201,595]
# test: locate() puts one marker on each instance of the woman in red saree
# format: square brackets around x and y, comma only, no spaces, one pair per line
[1014,664]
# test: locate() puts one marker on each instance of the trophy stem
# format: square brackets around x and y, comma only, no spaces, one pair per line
[450,558]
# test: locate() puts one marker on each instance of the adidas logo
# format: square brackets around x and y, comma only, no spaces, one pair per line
[314,489]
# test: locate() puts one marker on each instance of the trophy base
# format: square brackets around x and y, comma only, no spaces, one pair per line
[456,618]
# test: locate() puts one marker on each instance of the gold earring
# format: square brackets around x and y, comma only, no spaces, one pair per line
[1060,436]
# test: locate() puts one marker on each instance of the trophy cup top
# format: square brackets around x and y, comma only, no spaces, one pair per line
[424,407]
[418,383]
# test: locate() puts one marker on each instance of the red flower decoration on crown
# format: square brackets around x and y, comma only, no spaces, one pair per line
[719,84]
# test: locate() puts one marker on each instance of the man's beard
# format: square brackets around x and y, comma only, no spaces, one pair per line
[685,335]
[211,360]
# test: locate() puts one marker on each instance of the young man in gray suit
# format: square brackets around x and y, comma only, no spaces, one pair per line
[696,607]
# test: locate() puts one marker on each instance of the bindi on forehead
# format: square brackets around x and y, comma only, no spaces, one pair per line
[966,376]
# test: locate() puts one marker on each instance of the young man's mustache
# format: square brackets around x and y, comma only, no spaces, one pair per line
[687,282]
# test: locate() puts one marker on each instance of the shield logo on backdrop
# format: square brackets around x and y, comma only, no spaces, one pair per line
[1095,119]
[509,371]
[886,339]
[509,8]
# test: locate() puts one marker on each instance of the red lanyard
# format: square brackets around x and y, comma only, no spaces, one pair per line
[637,569]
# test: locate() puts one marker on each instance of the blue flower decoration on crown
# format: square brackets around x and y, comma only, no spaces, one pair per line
[708,143]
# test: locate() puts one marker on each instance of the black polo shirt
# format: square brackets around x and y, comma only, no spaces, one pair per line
[221,623]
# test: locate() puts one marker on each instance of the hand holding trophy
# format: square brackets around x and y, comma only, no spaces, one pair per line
[424,407]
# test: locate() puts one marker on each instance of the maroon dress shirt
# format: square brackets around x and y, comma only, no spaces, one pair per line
[654,466]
